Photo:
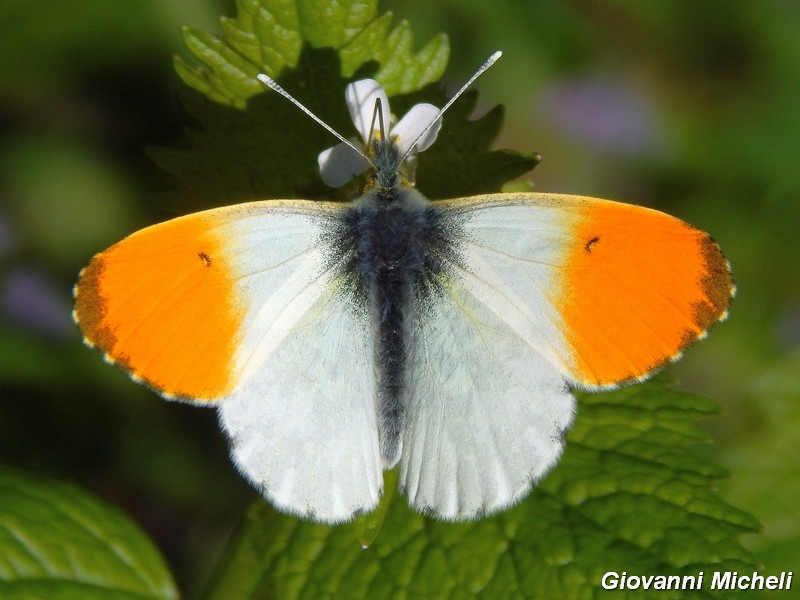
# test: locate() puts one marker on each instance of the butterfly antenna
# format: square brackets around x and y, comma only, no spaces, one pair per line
[488,63]
[273,85]
[377,117]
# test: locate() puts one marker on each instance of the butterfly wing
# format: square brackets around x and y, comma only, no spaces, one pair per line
[543,292]
[245,308]
[485,414]
[608,291]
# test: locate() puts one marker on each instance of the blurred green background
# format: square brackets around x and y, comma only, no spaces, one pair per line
[690,107]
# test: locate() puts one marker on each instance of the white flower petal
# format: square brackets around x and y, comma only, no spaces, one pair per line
[413,123]
[361,96]
[340,164]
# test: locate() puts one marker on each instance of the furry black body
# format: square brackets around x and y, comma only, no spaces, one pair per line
[398,243]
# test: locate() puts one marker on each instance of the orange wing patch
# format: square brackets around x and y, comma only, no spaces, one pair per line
[162,304]
[639,287]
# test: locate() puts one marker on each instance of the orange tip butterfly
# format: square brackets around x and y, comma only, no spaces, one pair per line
[337,340]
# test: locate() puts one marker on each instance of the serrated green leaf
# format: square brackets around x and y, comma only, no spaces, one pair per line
[59,542]
[269,149]
[627,496]
[460,162]
[267,36]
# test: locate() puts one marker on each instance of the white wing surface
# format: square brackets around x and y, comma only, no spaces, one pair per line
[301,421]
[543,291]
[486,407]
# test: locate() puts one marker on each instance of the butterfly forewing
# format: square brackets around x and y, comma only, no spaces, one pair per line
[606,291]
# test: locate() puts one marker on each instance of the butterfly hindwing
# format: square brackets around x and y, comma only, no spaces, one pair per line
[485,414]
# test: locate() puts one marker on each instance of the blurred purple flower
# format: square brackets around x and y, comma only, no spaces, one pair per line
[32,301]
[603,112]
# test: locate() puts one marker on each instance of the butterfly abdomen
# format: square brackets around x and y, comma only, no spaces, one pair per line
[389,229]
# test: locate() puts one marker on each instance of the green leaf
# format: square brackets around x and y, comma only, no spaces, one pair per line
[252,144]
[59,542]
[627,496]
[460,163]
[267,36]
[270,148]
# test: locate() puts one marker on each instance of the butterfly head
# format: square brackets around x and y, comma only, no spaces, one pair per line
[389,147]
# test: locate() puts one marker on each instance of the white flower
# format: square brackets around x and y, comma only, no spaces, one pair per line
[340,164]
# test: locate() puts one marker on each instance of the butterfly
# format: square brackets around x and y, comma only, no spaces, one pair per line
[443,338]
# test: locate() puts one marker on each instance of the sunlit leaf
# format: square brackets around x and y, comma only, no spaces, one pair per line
[267,36]
[58,541]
